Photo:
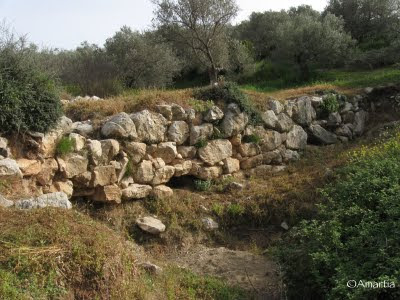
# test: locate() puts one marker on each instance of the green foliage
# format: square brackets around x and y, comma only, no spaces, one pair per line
[89,71]
[65,146]
[28,97]
[210,288]
[229,92]
[202,185]
[252,138]
[308,38]
[201,106]
[142,60]
[235,210]
[218,209]
[330,105]
[201,143]
[355,235]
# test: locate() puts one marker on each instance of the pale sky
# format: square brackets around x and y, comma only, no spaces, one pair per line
[66,23]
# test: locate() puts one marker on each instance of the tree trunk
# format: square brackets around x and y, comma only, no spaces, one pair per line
[213,74]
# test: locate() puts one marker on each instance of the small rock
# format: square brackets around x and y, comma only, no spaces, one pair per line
[209,223]
[136,191]
[162,192]
[234,187]
[29,167]
[108,194]
[285,226]
[214,114]
[5,202]
[78,141]
[150,225]
[9,168]
[152,268]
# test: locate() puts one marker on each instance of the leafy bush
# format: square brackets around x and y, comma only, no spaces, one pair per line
[355,235]
[330,105]
[229,92]
[65,145]
[28,97]
[201,106]
[252,138]
[202,185]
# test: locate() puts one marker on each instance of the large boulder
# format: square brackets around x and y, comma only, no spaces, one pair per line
[73,165]
[83,128]
[162,192]
[208,173]
[284,123]
[49,168]
[79,141]
[150,126]
[178,113]
[167,151]
[249,149]
[136,151]
[95,151]
[48,141]
[345,130]
[4,150]
[296,139]
[136,191]
[29,167]
[178,132]
[270,139]
[109,149]
[215,151]
[163,175]
[234,121]
[108,194]
[334,119]
[144,172]
[320,135]
[360,120]
[183,168]
[150,225]
[119,126]
[58,199]
[276,106]
[104,175]
[165,110]
[231,165]
[201,132]
[187,151]
[9,168]
[213,114]
[303,111]
[269,118]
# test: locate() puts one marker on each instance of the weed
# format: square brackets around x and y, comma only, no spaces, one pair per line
[329,105]
[201,143]
[235,210]
[201,106]
[202,185]
[252,138]
[65,146]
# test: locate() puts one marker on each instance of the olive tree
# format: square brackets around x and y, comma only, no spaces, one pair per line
[373,23]
[307,38]
[200,25]
[141,59]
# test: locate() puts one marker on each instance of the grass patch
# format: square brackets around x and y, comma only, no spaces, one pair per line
[65,146]
[51,254]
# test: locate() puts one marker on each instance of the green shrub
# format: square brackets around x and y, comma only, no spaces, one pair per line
[229,92]
[200,105]
[355,235]
[235,210]
[252,138]
[65,146]
[330,105]
[201,143]
[28,97]
[202,185]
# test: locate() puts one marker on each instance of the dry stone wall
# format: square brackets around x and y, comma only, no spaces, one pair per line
[133,156]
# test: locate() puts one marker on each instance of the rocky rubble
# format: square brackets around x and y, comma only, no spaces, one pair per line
[133,156]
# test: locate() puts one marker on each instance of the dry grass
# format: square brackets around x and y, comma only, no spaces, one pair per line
[128,102]
[52,253]
[258,98]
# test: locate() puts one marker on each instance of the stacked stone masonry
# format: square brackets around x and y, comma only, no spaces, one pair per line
[133,156]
